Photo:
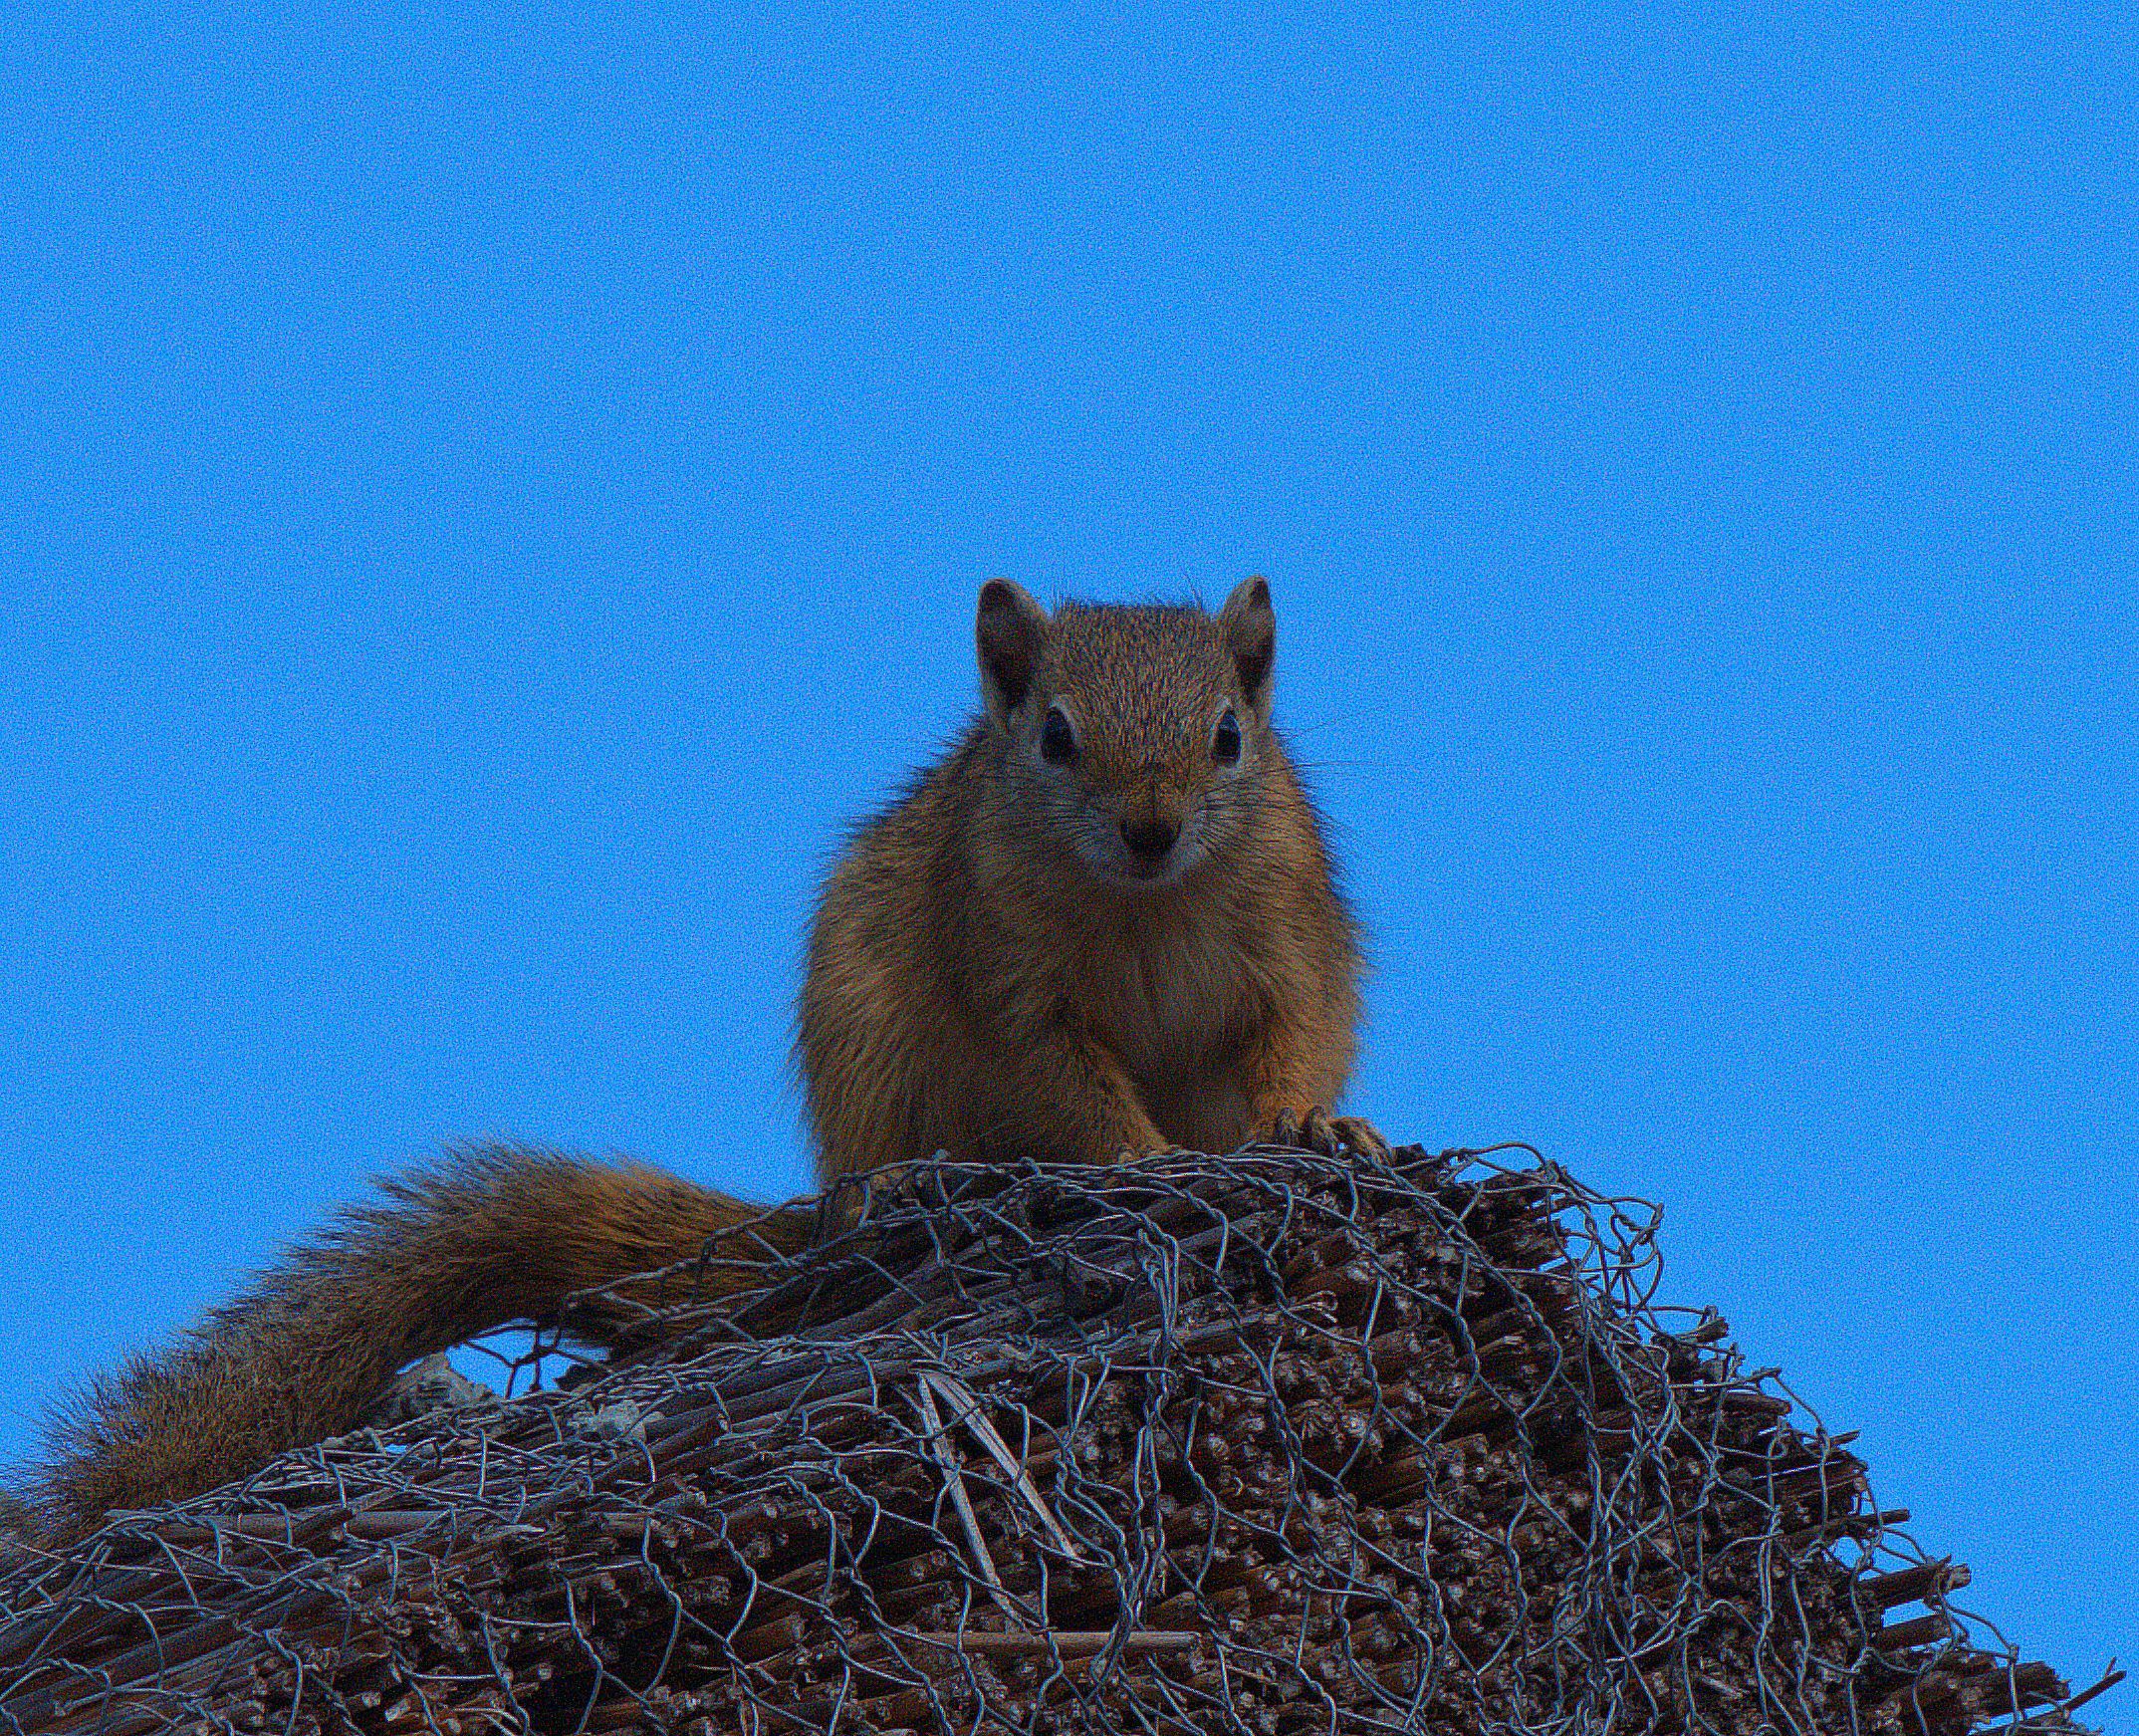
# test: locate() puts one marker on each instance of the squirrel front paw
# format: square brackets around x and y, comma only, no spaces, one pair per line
[1327,1136]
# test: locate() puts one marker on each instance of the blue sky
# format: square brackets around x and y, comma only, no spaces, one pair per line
[485,500]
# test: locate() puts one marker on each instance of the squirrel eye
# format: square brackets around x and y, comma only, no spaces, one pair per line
[1057,742]
[1226,744]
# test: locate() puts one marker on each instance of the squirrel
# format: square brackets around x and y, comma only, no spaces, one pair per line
[1105,923]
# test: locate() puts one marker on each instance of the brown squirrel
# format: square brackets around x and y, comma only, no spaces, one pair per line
[1105,923]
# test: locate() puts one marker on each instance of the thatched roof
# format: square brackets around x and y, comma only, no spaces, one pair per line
[1269,1443]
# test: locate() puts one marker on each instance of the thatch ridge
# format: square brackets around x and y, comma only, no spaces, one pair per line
[1268,1443]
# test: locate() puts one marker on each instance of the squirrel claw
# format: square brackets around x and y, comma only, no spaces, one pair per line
[1327,1136]
[1360,1137]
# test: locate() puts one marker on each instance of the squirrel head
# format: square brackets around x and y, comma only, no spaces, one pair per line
[1141,732]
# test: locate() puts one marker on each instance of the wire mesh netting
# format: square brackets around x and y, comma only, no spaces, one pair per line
[1271,1443]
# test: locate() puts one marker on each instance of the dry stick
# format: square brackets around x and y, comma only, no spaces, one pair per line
[2110,1678]
[954,1479]
[1919,1630]
[1884,1591]
[1068,1641]
[976,1419]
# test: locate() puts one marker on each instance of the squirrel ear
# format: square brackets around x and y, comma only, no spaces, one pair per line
[1250,628]
[1012,632]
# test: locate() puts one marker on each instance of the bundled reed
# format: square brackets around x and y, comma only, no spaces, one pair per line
[1271,1443]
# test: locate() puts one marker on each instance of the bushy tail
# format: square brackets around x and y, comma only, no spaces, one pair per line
[492,1236]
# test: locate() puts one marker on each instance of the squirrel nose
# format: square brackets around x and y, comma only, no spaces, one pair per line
[1149,840]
